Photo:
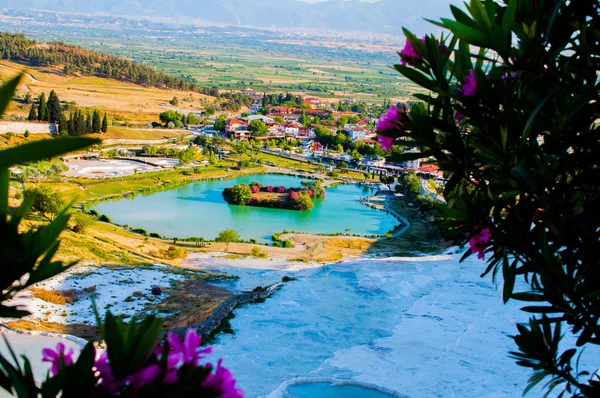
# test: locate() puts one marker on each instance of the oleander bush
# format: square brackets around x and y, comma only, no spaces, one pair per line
[511,118]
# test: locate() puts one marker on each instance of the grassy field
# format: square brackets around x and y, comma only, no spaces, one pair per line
[124,102]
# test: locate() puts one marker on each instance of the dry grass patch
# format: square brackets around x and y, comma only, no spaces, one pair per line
[60,297]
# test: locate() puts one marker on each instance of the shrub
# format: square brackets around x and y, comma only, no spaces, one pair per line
[140,231]
[258,253]
[82,221]
[26,133]
[288,244]
[155,235]
[156,290]
[105,218]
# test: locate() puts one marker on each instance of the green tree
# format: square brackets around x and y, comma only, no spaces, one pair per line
[227,236]
[192,119]
[33,115]
[171,116]
[220,123]
[209,111]
[96,124]
[150,149]
[366,174]
[187,155]
[212,159]
[410,183]
[47,202]
[42,106]
[278,119]
[174,101]
[104,127]
[257,128]
[53,107]
[28,99]
[238,194]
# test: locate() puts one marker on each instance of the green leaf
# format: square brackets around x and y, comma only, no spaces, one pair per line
[462,17]
[43,149]
[524,176]
[7,91]
[525,296]
[531,118]
[509,16]
[480,15]
[146,339]
[21,211]
[4,177]
[115,347]
[539,309]
[474,36]
[417,77]
[509,279]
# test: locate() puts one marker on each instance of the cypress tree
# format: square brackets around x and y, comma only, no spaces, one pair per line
[105,123]
[71,124]
[32,113]
[88,123]
[61,124]
[96,122]
[42,107]
[81,123]
[53,107]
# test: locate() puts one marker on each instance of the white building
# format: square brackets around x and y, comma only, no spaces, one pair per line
[262,118]
[357,133]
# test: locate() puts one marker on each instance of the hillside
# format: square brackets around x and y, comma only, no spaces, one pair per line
[124,101]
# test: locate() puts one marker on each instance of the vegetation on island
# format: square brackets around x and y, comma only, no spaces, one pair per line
[271,196]
[511,119]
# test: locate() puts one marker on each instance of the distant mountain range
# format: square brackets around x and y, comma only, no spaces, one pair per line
[385,16]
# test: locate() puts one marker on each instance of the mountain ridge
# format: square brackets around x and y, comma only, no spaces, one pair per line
[385,16]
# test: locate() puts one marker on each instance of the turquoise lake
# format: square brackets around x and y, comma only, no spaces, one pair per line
[198,209]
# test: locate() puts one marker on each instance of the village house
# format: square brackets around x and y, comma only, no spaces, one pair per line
[233,124]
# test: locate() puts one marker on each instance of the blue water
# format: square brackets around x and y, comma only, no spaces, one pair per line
[326,390]
[198,209]
[417,328]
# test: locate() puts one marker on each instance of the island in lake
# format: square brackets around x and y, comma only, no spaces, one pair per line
[279,197]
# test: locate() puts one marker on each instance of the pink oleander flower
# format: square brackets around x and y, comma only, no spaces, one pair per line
[187,350]
[223,382]
[391,118]
[294,196]
[385,142]
[254,189]
[410,52]
[469,87]
[270,188]
[58,358]
[479,241]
